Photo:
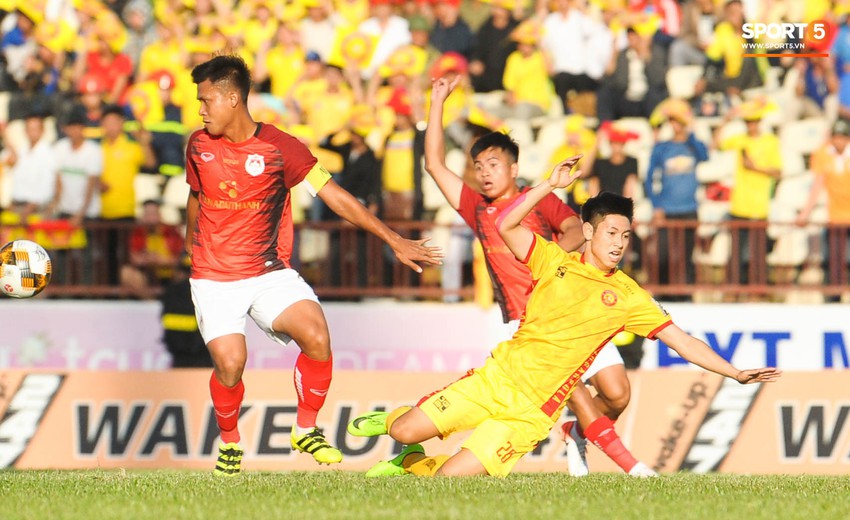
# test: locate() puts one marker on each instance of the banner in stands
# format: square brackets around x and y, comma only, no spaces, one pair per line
[677,420]
[431,337]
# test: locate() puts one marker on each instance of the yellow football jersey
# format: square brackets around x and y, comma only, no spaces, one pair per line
[573,311]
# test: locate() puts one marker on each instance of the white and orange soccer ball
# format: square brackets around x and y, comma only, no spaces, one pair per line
[25,269]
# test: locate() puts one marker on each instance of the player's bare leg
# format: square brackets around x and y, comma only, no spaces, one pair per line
[599,429]
[305,323]
[412,427]
[613,390]
[463,463]
[229,354]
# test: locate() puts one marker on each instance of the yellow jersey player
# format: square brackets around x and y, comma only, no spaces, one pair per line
[579,302]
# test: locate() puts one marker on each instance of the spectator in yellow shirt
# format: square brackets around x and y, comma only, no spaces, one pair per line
[399,182]
[526,78]
[280,62]
[122,161]
[759,167]
[727,70]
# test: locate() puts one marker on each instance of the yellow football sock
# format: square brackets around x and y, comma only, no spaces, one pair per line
[395,414]
[427,466]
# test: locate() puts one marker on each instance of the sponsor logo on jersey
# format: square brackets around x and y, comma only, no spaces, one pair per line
[207,157]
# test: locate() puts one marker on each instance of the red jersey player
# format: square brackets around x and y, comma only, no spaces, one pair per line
[495,161]
[239,234]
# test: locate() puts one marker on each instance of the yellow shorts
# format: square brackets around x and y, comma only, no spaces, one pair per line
[507,424]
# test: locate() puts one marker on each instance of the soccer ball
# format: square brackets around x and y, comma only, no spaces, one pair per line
[25,269]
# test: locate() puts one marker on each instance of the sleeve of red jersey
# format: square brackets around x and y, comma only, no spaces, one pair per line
[191,168]
[469,199]
[555,211]
[297,158]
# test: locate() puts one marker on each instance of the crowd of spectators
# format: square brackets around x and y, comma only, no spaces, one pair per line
[98,95]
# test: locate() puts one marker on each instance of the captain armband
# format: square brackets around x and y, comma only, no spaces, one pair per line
[316,178]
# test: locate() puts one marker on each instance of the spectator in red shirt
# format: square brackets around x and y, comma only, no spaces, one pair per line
[155,249]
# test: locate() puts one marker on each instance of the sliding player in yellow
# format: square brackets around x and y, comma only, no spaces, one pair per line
[579,302]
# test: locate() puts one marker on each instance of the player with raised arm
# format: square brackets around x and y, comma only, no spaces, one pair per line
[579,302]
[495,160]
[239,232]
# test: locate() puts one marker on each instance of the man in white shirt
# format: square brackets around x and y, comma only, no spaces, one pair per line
[392,31]
[33,169]
[574,49]
[79,164]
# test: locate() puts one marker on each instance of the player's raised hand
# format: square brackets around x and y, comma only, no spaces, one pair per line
[758,375]
[563,174]
[442,87]
[409,252]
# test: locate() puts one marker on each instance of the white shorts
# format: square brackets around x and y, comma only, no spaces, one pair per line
[607,357]
[221,307]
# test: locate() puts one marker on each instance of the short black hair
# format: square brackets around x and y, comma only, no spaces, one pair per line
[113,110]
[606,203]
[496,140]
[228,69]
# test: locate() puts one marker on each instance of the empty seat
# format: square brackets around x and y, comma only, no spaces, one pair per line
[804,136]
[682,80]
[520,130]
[719,167]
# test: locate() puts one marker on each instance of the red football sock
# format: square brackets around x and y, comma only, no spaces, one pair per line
[226,402]
[312,380]
[602,434]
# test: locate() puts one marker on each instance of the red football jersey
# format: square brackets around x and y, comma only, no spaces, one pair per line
[511,279]
[244,226]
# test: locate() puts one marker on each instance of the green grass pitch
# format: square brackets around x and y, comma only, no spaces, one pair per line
[165,495]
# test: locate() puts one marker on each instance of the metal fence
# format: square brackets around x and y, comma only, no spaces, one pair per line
[680,259]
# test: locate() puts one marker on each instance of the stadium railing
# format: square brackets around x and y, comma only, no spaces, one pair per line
[342,262]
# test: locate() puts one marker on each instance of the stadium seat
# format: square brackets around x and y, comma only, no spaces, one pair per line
[643,216]
[710,213]
[793,163]
[792,192]
[556,108]
[488,101]
[534,163]
[719,167]
[4,106]
[804,136]
[641,127]
[681,80]
[551,135]
[791,248]
[5,188]
[520,130]
[147,187]
[432,197]
[718,252]
[176,191]
[731,129]
[456,161]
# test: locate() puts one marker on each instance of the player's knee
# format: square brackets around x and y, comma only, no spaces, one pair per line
[404,432]
[315,343]
[617,398]
[229,372]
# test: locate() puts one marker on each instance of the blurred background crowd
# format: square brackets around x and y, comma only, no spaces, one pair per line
[739,165]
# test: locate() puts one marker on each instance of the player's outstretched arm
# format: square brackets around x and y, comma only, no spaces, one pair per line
[516,237]
[435,151]
[700,354]
[408,252]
